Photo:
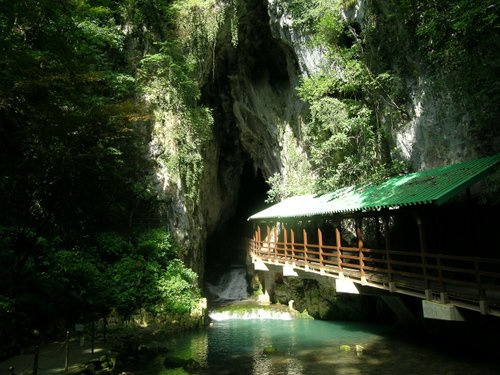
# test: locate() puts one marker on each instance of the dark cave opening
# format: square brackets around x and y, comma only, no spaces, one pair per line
[227,246]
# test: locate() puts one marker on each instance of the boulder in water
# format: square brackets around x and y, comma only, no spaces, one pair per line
[186,364]
[269,349]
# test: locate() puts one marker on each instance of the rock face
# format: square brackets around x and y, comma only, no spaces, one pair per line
[258,124]
[255,103]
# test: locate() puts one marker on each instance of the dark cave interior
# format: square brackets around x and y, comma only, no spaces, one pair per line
[226,247]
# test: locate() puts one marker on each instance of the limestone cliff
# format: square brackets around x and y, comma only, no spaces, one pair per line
[250,86]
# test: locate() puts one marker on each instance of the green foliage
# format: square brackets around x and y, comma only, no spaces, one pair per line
[344,135]
[170,79]
[74,153]
[132,286]
[451,44]
[80,284]
[178,288]
[157,244]
[69,108]
[297,178]
[360,94]
[153,277]
[448,30]
[459,40]
[198,24]
[304,12]
[111,246]
[86,282]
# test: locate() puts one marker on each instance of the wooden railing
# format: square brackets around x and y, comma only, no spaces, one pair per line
[468,282]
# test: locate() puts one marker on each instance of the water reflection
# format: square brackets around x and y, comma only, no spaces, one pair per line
[303,347]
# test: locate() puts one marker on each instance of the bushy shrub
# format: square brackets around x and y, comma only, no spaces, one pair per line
[178,288]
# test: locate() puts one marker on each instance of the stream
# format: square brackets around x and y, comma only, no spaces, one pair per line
[269,346]
[304,347]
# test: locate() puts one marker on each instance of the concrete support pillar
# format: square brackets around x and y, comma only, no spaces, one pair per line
[269,284]
[441,311]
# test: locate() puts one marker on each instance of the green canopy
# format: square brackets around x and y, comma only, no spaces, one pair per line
[433,186]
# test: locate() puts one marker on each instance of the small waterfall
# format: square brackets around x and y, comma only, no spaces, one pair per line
[251,314]
[232,286]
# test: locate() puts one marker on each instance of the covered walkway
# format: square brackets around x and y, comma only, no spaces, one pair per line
[420,234]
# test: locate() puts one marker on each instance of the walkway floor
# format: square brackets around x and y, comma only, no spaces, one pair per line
[51,359]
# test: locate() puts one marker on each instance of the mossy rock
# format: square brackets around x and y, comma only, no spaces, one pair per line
[174,371]
[270,350]
[175,363]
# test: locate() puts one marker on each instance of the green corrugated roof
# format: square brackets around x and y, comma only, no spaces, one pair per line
[431,186]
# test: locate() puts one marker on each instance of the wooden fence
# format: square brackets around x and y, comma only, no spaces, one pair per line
[468,282]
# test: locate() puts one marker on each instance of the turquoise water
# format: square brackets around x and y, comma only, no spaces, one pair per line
[304,347]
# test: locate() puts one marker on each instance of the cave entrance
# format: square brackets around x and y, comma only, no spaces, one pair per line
[227,246]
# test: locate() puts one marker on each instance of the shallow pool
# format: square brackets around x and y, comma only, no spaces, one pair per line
[300,347]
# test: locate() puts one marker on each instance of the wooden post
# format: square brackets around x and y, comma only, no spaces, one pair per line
[338,243]
[387,236]
[423,251]
[377,229]
[304,234]
[285,240]
[483,303]
[104,327]
[268,231]
[66,357]
[359,233]
[276,240]
[259,241]
[35,360]
[320,247]
[292,235]
[92,337]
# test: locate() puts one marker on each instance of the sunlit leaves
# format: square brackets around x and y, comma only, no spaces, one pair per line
[77,182]
[183,126]
[71,107]
[350,101]
[296,176]
[154,279]
[158,245]
[178,288]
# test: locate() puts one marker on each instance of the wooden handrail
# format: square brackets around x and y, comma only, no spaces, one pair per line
[405,268]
